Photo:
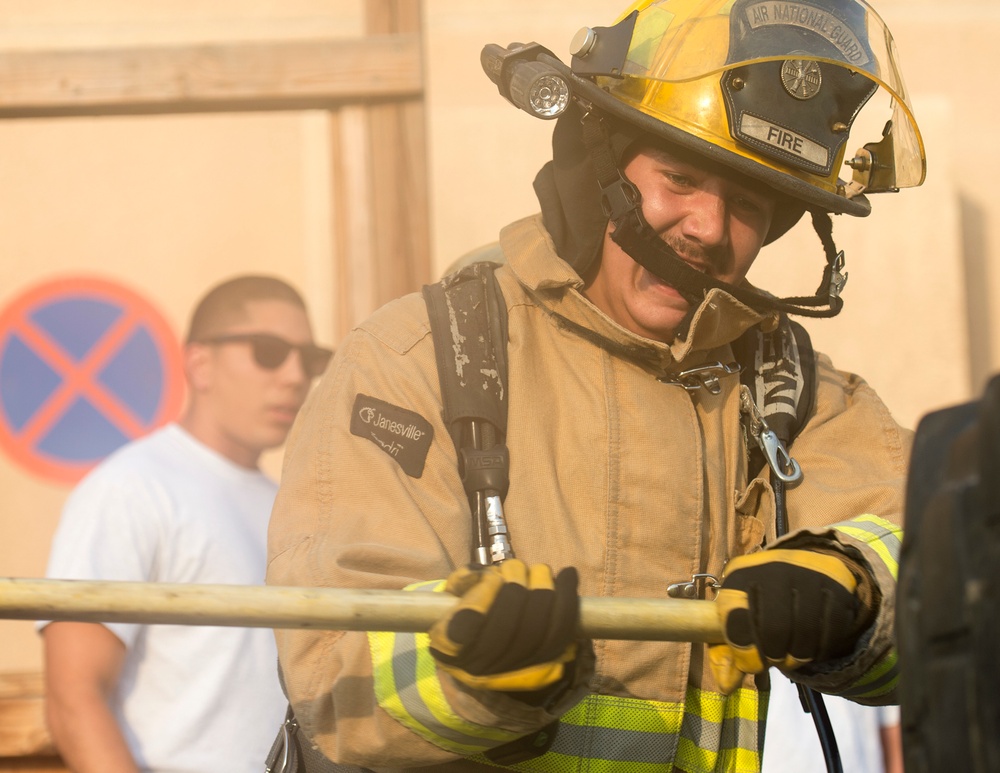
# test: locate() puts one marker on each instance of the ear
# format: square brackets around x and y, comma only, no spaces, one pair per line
[198,366]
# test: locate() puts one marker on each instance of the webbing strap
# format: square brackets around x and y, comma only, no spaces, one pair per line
[468,319]
[779,368]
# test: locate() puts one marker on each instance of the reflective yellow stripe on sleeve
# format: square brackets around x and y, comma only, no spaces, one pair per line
[707,733]
[879,680]
[407,687]
[886,539]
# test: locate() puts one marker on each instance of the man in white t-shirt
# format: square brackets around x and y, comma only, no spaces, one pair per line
[186,504]
[868,737]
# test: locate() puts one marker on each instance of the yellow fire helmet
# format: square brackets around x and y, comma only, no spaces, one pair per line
[768,88]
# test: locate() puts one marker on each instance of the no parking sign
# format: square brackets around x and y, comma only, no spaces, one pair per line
[85,366]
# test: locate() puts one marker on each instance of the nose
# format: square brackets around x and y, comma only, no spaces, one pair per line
[292,371]
[706,219]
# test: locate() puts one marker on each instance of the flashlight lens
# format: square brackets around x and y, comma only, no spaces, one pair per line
[537,88]
[549,96]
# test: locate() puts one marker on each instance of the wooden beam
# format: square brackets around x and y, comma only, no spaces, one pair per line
[22,716]
[284,75]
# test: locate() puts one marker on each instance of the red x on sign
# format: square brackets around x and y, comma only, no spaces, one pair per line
[85,366]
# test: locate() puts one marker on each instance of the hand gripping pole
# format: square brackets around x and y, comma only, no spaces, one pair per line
[324,608]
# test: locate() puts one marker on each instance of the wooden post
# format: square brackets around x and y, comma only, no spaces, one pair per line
[400,185]
[381,216]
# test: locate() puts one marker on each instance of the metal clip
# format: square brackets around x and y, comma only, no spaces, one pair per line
[703,376]
[695,588]
[838,277]
[778,459]
[283,747]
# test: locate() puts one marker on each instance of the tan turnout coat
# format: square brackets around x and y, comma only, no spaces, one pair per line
[637,483]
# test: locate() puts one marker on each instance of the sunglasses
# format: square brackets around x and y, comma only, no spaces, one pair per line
[270,351]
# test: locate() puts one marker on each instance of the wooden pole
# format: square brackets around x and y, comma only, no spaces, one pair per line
[323,608]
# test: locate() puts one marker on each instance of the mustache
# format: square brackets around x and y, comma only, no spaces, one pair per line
[711,260]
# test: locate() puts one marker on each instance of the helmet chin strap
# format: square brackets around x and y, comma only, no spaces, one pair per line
[622,202]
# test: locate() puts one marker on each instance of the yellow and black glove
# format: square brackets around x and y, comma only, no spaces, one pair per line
[514,629]
[784,608]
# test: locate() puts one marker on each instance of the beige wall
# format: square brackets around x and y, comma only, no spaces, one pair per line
[166,207]
[169,205]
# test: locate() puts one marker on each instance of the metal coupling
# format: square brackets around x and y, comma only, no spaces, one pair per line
[695,588]
[704,376]
[500,549]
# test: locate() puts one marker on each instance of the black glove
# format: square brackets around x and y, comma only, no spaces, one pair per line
[784,608]
[514,629]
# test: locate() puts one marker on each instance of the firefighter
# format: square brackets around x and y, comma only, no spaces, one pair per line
[688,136]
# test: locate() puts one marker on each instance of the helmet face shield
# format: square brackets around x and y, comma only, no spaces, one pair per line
[768,89]
[776,83]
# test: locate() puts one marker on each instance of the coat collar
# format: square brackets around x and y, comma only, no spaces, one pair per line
[718,320]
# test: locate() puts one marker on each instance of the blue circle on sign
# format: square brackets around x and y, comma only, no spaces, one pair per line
[85,366]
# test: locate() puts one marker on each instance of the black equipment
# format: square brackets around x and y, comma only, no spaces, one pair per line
[948,608]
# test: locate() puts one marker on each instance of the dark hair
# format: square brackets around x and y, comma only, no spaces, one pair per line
[226,303]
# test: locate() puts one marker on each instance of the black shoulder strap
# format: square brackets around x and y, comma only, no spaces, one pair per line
[468,319]
[779,369]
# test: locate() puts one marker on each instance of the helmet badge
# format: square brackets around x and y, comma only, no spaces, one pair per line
[802,78]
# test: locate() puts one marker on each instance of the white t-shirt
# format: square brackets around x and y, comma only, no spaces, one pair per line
[791,744]
[168,509]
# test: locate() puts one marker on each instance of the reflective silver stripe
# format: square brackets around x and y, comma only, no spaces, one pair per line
[879,534]
[404,666]
[739,733]
[880,686]
[877,686]
[604,729]
[888,537]
[407,687]
[614,745]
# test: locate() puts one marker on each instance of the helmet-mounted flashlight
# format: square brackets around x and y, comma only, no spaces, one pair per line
[533,86]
